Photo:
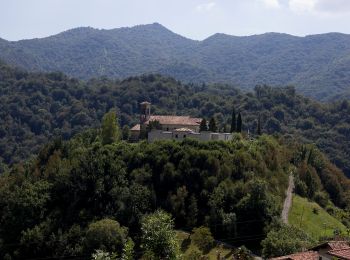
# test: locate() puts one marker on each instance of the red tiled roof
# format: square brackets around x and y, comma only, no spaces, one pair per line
[333,245]
[175,120]
[343,253]
[309,255]
[136,128]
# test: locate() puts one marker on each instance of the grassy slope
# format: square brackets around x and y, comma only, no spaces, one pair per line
[187,246]
[316,225]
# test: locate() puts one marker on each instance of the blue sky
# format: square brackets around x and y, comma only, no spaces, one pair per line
[196,19]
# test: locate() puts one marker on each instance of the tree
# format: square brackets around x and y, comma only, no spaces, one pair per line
[203,126]
[202,238]
[259,126]
[212,125]
[242,253]
[239,123]
[107,235]
[155,124]
[158,236]
[101,255]
[110,128]
[284,240]
[233,121]
[128,250]
[125,132]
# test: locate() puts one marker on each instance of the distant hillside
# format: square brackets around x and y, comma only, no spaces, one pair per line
[318,65]
[35,107]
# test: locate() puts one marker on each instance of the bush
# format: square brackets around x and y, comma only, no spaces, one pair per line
[202,238]
[107,235]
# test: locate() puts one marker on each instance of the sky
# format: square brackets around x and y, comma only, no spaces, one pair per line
[195,19]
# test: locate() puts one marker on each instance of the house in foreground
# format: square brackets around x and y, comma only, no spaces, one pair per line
[172,127]
[326,251]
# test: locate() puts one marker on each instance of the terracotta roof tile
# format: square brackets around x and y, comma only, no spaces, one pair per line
[136,128]
[175,120]
[333,245]
[343,253]
[338,245]
[309,255]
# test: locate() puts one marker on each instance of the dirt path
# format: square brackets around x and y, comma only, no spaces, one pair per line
[288,201]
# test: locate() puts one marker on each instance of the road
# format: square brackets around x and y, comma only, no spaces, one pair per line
[288,201]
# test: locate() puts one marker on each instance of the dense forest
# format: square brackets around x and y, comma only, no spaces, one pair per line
[317,65]
[35,107]
[86,194]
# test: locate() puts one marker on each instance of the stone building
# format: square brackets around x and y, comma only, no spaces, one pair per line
[172,127]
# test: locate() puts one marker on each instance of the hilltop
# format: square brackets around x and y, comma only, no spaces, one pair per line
[317,65]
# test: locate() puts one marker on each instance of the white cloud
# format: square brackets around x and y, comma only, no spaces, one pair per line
[206,7]
[302,6]
[333,6]
[274,4]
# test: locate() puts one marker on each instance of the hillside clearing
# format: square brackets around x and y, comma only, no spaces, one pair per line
[313,219]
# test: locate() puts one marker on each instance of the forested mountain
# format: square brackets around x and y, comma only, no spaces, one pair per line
[35,107]
[317,65]
[81,195]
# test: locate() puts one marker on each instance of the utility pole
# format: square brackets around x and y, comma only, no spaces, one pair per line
[301,217]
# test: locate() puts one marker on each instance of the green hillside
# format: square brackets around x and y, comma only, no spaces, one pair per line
[35,107]
[187,246]
[318,65]
[313,219]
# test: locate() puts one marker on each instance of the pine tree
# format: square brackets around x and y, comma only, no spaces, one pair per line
[239,123]
[233,121]
[212,125]
[203,126]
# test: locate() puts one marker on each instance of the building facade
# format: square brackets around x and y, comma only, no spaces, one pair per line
[172,127]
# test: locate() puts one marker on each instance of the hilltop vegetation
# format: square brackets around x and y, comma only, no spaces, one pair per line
[34,107]
[70,198]
[317,65]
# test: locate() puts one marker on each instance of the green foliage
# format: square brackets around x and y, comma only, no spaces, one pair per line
[128,250]
[212,125]
[242,253]
[36,107]
[126,132]
[48,205]
[239,123]
[314,220]
[233,121]
[193,254]
[203,126]
[202,238]
[105,234]
[159,237]
[284,240]
[110,130]
[101,255]
[315,64]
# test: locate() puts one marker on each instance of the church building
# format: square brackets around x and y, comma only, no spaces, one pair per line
[172,127]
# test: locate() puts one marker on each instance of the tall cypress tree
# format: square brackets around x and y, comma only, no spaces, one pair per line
[239,123]
[259,126]
[212,125]
[203,126]
[110,129]
[233,121]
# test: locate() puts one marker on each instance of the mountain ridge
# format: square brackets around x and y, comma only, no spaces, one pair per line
[318,65]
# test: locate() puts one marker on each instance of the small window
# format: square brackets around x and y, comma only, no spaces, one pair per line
[167,128]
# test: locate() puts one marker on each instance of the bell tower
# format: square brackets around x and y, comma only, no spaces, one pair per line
[145,112]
